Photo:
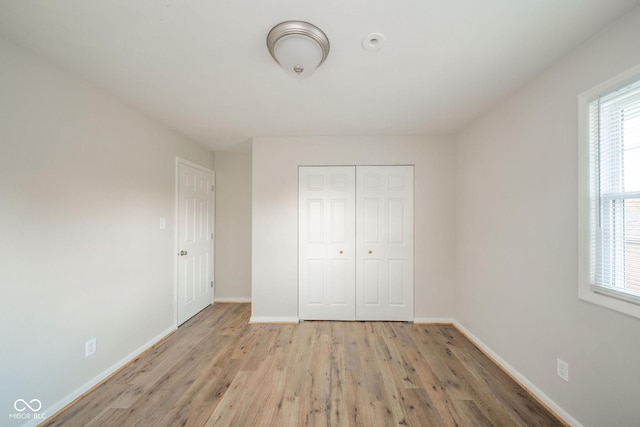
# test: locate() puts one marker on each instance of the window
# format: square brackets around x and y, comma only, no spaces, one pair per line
[614,127]
[613,140]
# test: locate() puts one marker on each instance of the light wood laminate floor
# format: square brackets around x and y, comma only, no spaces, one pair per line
[219,370]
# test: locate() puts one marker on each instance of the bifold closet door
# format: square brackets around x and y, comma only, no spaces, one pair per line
[326,233]
[384,242]
[355,243]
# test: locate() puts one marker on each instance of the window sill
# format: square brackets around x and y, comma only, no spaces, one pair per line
[610,301]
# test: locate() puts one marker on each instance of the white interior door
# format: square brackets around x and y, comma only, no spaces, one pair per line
[326,243]
[384,233]
[195,240]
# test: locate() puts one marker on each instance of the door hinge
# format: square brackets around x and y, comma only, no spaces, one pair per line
[211,236]
[212,283]
[213,188]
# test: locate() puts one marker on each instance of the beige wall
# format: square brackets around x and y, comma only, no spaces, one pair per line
[275,214]
[84,181]
[517,222]
[233,225]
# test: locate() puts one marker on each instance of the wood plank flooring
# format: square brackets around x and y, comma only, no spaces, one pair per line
[219,370]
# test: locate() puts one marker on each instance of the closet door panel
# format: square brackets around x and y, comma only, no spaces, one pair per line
[384,238]
[326,233]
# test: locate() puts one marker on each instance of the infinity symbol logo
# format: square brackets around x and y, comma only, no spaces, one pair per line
[21,405]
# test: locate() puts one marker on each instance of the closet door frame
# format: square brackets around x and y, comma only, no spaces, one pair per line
[355,243]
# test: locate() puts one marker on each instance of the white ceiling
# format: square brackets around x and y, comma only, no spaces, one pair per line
[202,67]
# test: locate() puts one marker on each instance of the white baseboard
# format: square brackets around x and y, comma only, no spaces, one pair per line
[434,320]
[274,320]
[232,300]
[519,377]
[53,409]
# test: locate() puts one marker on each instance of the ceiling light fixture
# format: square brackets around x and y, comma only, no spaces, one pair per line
[298,46]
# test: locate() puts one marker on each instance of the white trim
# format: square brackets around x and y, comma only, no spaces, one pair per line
[518,376]
[176,226]
[434,320]
[274,320]
[585,291]
[193,165]
[62,403]
[213,237]
[233,300]
[622,79]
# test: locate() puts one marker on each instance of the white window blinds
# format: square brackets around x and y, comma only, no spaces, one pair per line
[615,193]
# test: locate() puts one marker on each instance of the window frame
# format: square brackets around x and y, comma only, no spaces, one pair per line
[601,296]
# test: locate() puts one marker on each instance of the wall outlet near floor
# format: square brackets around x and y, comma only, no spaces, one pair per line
[90,347]
[563,370]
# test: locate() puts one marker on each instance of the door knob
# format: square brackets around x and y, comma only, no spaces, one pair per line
[183,253]
[340,251]
[370,252]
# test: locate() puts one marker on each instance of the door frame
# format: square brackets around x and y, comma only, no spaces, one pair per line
[176,236]
[413,223]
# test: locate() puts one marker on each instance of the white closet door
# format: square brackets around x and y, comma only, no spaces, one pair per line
[384,234]
[326,228]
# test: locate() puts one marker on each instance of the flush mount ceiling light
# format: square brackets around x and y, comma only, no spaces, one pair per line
[298,46]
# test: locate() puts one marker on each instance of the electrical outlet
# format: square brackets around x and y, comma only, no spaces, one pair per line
[90,347]
[563,370]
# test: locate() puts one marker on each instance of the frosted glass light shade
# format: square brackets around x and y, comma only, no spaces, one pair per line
[298,54]
[299,47]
